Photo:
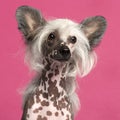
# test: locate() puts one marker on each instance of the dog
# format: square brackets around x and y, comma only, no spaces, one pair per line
[57,50]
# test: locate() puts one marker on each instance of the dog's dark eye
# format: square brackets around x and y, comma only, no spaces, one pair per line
[51,36]
[73,39]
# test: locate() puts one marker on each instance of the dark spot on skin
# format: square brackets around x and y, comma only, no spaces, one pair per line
[40,108]
[56,114]
[50,75]
[27,115]
[44,103]
[55,105]
[62,112]
[37,110]
[45,95]
[44,118]
[44,79]
[61,104]
[69,105]
[67,99]
[53,90]
[38,99]
[49,113]
[30,101]
[69,108]
[47,67]
[62,82]
[41,118]
[67,117]
[37,93]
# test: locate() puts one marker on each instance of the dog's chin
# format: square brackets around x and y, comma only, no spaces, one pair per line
[61,59]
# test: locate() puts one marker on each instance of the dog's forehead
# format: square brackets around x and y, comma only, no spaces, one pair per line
[64,26]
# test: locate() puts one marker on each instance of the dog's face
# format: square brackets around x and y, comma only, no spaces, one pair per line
[56,47]
[61,39]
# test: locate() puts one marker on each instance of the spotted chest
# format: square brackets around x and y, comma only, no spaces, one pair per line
[50,100]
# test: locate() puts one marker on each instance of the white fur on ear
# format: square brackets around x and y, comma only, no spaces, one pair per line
[29,19]
[94,28]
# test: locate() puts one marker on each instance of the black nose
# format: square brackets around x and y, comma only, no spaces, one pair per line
[65,52]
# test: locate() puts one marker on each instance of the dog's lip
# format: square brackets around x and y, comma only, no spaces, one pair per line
[59,58]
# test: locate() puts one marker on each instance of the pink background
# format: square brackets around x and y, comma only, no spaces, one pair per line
[99,92]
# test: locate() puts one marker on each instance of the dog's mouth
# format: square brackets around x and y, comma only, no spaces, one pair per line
[61,54]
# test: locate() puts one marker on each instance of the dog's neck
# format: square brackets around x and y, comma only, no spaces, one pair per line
[50,98]
[53,77]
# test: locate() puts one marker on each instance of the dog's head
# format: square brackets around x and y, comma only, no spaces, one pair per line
[61,39]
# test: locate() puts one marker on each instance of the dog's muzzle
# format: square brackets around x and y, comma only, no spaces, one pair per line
[61,53]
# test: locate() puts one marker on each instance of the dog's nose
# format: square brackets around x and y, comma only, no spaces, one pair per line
[65,52]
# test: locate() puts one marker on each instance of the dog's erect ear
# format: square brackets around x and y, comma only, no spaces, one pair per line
[29,19]
[93,28]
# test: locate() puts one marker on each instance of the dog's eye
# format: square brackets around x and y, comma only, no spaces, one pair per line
[51,36]
[73,39]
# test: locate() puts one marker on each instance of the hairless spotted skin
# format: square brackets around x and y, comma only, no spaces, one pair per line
[50,100]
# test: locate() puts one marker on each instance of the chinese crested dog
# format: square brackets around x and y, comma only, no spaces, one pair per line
[57,50]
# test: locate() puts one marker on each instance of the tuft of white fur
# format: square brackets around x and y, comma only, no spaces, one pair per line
[82,58]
